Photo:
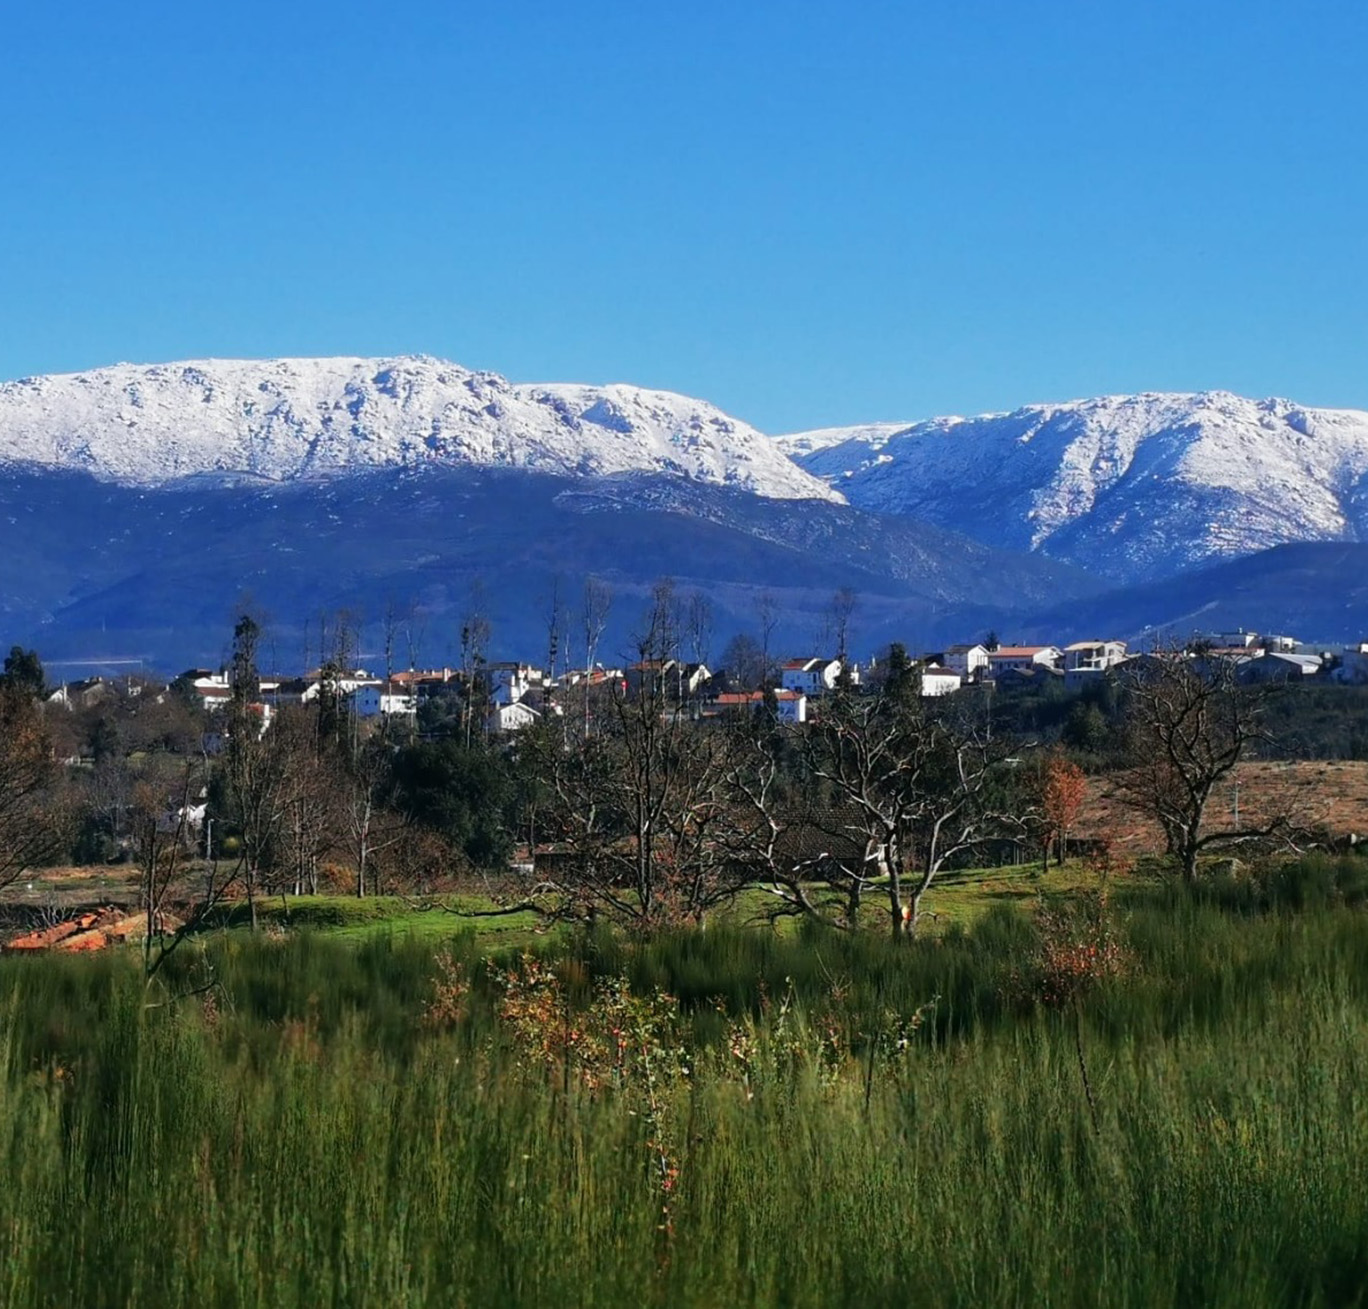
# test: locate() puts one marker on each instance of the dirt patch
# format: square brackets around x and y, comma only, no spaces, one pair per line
[1329,798]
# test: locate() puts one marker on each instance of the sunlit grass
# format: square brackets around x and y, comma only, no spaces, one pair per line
[304,1133]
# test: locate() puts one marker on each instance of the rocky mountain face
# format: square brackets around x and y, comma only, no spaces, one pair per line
[1130,487]
[283,419]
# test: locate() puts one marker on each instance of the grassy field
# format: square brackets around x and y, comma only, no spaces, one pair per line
[388,1112]
[957,899]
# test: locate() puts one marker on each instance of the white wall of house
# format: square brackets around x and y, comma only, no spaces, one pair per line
[374,701]
[509,683]
[1093,656]
[1021,658]
[1353,665]
[813,676]
[966,660]
[511,717]
[791,706]
[939,681]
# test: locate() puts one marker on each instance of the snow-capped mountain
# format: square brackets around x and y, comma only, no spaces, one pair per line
[284,419]
[799,444]
[1134,487]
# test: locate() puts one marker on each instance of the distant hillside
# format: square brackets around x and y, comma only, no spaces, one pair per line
[101,568]
[1314,591]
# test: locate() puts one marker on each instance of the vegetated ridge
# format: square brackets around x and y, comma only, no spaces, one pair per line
[1314,590]
[284,419]
[1132,487]
[157,571]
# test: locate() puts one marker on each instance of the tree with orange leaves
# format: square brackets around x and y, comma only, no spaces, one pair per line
[1063,790]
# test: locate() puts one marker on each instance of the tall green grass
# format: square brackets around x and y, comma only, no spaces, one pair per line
[309,1138]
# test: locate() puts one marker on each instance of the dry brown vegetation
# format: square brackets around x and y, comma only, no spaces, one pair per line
[1329,800]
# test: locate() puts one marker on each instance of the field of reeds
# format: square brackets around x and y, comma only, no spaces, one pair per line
[1155,1098]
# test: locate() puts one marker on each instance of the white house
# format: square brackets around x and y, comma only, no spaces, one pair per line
[814,676]
[1022,658]
[1353,664]
[511,717]
[72,694]
[790,706]
[388,699]
[346,684]
[510,682]
[1093,656]
[1236,640]
[1279,666]
[939,681]
[1084,660]
[965,660]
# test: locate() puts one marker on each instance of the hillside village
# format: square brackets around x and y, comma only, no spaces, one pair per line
[514,694]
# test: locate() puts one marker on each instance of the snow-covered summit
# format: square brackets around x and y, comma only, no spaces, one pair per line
[1131,486]
[798,444]
[284,419]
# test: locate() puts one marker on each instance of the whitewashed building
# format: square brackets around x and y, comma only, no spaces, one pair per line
[1086,660]
[384,699]
[966,660]
[511,717]
[936,680]
[815,676]
[1023,658]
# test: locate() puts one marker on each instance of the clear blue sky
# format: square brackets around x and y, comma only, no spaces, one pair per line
[808,213]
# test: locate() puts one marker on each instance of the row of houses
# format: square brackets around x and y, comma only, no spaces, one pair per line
[1257,658]
[516,694]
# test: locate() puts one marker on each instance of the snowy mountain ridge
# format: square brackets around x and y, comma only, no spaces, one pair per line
[285,419]
[1133,487]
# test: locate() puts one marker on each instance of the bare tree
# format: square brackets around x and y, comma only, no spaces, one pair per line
[815,858]
[257,771]
[767,615]
[744,663]
[32,822]
[338,655]
[311,797]
[165,830]
[475,634]
[639,811]
[1189,723]
[371,828]
[914,782]
[836,621]
[594,608]
[555,629]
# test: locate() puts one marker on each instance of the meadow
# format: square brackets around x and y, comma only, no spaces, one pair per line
[1154,1098]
